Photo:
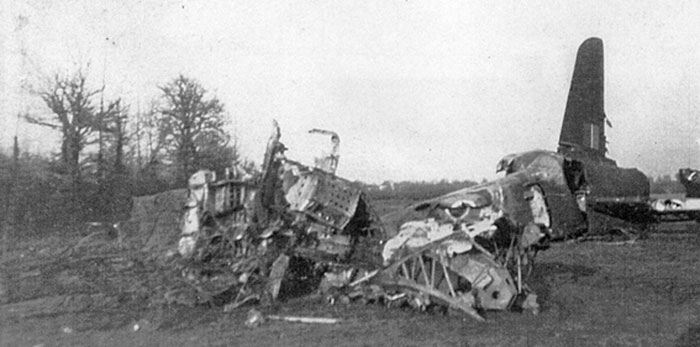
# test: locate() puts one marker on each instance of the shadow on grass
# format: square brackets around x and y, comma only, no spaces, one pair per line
[547,277]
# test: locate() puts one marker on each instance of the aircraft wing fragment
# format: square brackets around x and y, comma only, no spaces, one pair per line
[648,211]
[625,208]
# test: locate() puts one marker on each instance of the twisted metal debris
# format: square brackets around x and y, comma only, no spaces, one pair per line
[243,238]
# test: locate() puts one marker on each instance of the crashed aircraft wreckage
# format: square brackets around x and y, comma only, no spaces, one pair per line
[471,250]
[485,237]
[243,239]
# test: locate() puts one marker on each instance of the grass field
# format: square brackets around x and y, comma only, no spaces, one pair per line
[646,293]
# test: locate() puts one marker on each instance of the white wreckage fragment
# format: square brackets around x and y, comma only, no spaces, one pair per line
[328,161]
[197,193]
[210,202]
[416,234]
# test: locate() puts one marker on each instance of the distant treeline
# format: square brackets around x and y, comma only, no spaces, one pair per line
[666,185]
[38,195]
[421,190]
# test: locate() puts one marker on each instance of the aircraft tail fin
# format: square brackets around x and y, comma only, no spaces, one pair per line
[584,118]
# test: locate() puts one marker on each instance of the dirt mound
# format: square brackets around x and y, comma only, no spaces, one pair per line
[154,223]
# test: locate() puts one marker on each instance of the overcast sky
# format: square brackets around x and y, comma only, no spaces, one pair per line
[417,90]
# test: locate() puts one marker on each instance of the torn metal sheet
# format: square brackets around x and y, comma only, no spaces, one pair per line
[279,267]
[328,200]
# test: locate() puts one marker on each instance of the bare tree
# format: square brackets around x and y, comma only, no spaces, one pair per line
[192,125]
[147,145]
[73,114]
[119,125]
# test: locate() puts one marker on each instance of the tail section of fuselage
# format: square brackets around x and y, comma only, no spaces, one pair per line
[582,135]
[583,128]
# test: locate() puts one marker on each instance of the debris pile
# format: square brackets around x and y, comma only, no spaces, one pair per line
[243,239]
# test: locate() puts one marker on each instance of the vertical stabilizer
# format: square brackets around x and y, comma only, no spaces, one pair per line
[584,118]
